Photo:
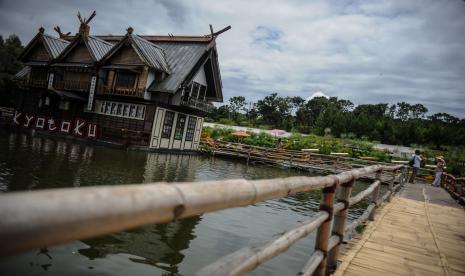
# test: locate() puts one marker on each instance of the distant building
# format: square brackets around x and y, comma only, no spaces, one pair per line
[147,91]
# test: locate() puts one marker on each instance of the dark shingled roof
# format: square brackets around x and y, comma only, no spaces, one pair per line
[54,45]
[98,47]
[154,55]
[23,73]
[182,57]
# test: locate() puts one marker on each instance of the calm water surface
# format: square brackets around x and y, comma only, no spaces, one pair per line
[178,248]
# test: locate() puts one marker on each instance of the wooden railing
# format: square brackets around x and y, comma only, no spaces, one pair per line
[198,104]
[455,186]
[73,85]
[38,219]
[42,83]
[122,91]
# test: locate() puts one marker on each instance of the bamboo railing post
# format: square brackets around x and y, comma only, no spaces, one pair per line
[248,156]
[339,223]
[335,164]
[391,185]
[323,233]
[375,196]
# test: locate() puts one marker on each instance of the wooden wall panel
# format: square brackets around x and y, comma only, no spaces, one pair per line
[38,53]
[142,80]
[80,53]
[126,55]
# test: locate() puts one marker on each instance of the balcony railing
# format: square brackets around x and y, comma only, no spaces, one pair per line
[122,91]
[36,83]
[73,85]
[197,104]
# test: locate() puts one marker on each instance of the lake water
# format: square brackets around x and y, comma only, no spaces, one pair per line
[178,248]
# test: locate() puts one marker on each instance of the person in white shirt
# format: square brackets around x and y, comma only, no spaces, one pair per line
[416,158]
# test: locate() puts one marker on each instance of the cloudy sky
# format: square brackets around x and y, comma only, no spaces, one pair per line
[365,51]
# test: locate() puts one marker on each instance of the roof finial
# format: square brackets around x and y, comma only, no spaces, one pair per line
[84,28]
[130,30]
[62,35]
[41,30]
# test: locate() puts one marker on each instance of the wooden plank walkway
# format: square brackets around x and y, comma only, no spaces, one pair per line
[411,237]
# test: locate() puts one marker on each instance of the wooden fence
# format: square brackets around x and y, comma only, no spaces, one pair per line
[38,219]
[455,186]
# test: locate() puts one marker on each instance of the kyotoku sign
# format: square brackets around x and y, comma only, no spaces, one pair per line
[78,127]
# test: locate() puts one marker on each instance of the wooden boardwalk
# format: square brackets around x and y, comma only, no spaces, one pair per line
[421,232]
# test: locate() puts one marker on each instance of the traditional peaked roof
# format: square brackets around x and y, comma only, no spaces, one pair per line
[151,54]
[53,45]
[97,47]
[182,58]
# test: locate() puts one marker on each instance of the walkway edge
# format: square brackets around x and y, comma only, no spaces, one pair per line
[353,251]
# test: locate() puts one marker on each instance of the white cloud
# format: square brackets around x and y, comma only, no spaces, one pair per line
[366,51]
[317,94]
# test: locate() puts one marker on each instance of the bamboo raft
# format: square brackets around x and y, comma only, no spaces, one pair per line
[302,160]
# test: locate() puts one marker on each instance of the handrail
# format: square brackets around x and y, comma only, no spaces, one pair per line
[248,258]
[42,218]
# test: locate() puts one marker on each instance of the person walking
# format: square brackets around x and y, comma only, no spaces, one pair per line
[440,164]
[415,163]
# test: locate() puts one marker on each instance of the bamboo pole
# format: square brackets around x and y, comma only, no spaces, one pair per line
[375,197]
[340,219]
[361,219]
[323,234]
[41,218]
[248,258]
[312,263]
[356,199]
[391,186]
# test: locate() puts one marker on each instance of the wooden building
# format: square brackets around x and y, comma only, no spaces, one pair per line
[145,91]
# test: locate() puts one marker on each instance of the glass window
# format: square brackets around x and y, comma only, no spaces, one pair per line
[113,109]
[195,90]
[179,130]
[126,80]
[202,93]
[132,111]
[119,110]
[191,128]
[167,124]
[126,110]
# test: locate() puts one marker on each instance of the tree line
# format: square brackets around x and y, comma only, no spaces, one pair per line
[401,123]
[10,49]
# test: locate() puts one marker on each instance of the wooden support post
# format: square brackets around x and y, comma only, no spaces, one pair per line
[391,185]
[248,156]
[323,233]
[339,223]
[335,164]
[375,196]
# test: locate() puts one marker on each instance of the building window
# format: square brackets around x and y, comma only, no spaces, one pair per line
[63,105]
[167,125]
[179,130]
[132,111]
[190,128]
[195,90]
[125,80]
